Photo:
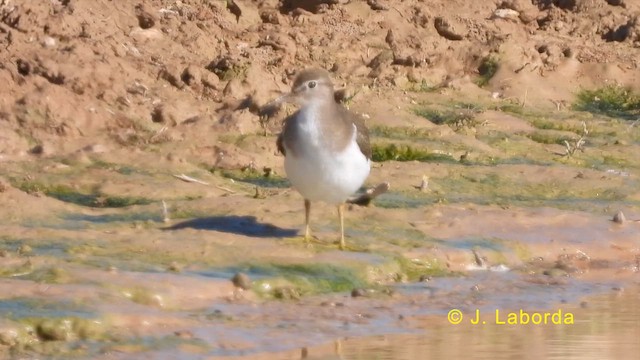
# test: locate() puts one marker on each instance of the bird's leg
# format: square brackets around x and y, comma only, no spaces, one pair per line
[341,215]
[307,211]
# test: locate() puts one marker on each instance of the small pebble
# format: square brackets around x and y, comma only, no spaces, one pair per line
[358,292]
[184,334]
[619,218]
[48,42]
[584,304]
[175,267]
[242,281]
[25,250]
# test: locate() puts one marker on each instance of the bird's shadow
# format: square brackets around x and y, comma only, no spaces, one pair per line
[240,225]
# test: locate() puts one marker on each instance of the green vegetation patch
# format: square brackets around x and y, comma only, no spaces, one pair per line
[549,137]
[400,132]
[266,178]
[423,86]
[306,278]
[395,152]
[487,69]
[611,100]
[415,269]
[462,115]
[91,198]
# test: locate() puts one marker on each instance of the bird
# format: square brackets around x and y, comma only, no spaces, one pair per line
[326,147]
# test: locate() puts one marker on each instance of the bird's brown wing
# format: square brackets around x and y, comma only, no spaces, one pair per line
[362,135]
[289,130]
[280,143]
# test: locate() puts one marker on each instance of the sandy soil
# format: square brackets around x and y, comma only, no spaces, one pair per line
[104,252]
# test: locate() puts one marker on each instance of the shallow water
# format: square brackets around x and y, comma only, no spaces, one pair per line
[606,326]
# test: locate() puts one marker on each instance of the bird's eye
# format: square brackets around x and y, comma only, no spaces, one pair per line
[312,84]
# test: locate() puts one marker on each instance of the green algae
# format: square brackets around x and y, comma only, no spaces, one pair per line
[387,152]
[306,279]
[416,269]
[460,116]
[51,275]
[545,137]
[406,200]
[143,296]
[56,337]
[22,269]
[266,178]
[91,198]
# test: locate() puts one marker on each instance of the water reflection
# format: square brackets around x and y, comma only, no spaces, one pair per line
[606,327]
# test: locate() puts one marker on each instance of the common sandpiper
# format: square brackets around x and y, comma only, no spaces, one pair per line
[326,147]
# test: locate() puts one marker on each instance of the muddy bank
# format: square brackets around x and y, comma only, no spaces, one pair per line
[137,179]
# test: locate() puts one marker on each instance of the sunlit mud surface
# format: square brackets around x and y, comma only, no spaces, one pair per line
[117,258]
[606,327]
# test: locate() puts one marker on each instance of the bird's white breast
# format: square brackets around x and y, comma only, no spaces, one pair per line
[318,173]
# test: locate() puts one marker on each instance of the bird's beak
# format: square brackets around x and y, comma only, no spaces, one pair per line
[287,98]
[272,107]
[293,97]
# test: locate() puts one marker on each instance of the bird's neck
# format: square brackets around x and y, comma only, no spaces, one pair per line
[317,111]
[321,121]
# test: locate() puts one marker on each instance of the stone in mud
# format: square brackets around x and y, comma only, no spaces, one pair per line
[95,149]
[158,114]
[172,113]
[628,31]
[314,6]
[358,292]
[616,3]
[24,67]
[619,218]
[390,39]
[270,16]
[555,273]
[146,18]
[505,14]
[88,328]
[377,5]
[448,30]
[51,71]
[55,330]
[184,334]
[384,58]
[242,281]
[211,80]
[175,267]
[144,35]
[172,75]
[8,337]
[25,250]
[191,75]
[48,42]
[286,293]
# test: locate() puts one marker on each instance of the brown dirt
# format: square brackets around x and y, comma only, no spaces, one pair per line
[75,74]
